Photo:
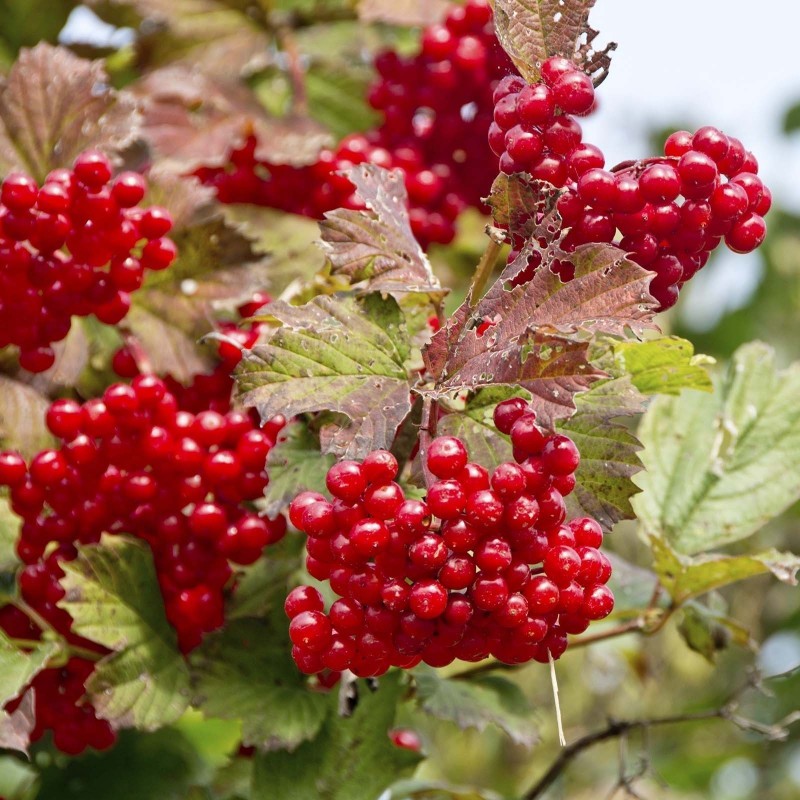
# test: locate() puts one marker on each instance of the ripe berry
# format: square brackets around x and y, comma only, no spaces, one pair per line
[447,456]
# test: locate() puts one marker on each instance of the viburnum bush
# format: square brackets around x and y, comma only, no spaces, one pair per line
[273,495]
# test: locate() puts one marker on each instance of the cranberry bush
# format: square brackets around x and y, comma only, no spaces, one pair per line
[272,492]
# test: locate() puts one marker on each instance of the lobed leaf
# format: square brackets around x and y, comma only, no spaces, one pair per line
[377,247]
[337,354]
[114,598]
[243,673]
[530,31]
[351,758]
[477,703]
[718,467]
[540,331]
[54,105]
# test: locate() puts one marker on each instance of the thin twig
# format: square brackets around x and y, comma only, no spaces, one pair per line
[297,73]
[614,729]
[485,266]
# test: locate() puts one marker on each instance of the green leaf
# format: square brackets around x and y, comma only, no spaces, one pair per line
[437,790]
[54,105]
[477,702]
[708,633]
[28,22]
[685,577]
[791,119]
[115,600]
[22,412]
[19,667]
[263,586]
[334,354]
[474,425]
[245,672]
[609,452]
[532,30]
[336,96]
[295,464]
[376,247]
[163,765]
[663,366]
[9,560]
[288,239]
[718,467]
[351,758]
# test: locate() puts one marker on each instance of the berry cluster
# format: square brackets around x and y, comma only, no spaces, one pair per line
[435,105]
[132,462]
[484,566]
[77,245]
[668,212]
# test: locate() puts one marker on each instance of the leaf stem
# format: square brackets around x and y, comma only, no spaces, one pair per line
[427,430]
[488,260]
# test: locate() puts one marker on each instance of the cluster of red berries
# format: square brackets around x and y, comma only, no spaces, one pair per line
[132,462]
[668,212]
[486,565]
[77,245]
[435,105]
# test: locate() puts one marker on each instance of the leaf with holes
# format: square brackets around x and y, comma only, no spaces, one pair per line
[525,207]
[376,247]
[115,600]
[719,467]
[337,354]
[245,673]
[477,703]
[295,464]
[352,758]
[532,30]
[685,577]
[54,105]
[191,119]
[539,332]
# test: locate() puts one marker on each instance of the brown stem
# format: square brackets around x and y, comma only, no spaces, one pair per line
[638,165]
[297,74]
[485,266]
[614,729]
[299,18]
[427,430]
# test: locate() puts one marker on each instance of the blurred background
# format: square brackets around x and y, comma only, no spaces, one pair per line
[681,63]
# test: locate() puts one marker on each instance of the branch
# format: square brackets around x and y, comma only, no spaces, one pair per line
[614,729]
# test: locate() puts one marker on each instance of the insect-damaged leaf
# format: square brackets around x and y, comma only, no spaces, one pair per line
[539,332]
[53,105]
[532,30]
[377,246]
[334,354]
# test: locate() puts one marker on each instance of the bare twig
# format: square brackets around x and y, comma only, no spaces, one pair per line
[614,729]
